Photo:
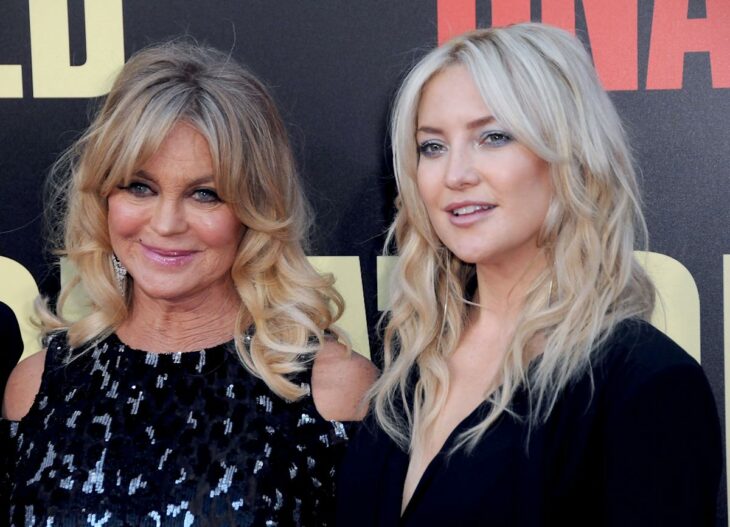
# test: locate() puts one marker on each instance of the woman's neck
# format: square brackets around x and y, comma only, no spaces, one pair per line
[502,288]
[162,326]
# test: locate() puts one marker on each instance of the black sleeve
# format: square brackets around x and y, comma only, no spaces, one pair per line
[663,452]
[366,480]
[11,344]
[7,458]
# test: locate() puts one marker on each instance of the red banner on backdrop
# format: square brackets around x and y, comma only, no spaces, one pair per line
[613,33]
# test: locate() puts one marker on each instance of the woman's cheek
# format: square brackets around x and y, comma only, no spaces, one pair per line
[125,218]
[219,228]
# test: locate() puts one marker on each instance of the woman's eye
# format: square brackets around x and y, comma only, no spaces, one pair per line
[137,188]
[430,149]
[206,195]
[495,138]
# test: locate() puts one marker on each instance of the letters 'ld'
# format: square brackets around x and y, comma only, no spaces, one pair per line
[53,74]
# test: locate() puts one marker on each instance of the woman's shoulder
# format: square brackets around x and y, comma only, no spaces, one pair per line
[661,431]
[23,386]
[638,351]
[642,366]
[340,380]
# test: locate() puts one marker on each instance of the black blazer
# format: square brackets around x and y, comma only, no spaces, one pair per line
[641,447]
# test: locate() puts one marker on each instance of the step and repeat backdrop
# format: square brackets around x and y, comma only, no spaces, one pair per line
[333,67]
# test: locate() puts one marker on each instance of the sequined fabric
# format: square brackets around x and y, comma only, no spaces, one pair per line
[125,437]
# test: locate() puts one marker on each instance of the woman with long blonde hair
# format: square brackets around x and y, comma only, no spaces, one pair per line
[206,385]
[522,383]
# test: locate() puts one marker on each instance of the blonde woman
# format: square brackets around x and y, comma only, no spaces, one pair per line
[206,386]
[522,384]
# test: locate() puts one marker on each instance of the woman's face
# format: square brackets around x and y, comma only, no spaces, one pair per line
[486,195]
[168,227]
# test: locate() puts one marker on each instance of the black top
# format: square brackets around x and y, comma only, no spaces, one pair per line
[642,449]
[125,437]
[12,343]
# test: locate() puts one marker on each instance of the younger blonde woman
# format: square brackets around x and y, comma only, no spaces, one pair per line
[522,384]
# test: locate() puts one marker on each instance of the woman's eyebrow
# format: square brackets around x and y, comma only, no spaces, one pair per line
[202,180]
[476,123]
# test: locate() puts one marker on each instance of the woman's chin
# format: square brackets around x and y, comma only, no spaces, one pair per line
[169,292]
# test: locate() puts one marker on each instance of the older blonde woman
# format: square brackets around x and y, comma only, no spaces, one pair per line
[207,385]
[522,383]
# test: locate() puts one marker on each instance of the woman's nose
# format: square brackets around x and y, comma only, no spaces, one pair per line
[169,217]
[461,171]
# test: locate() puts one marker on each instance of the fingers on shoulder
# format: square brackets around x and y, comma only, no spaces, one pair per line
[23,385]
[341,379]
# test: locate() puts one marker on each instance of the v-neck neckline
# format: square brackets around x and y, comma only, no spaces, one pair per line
[435,462]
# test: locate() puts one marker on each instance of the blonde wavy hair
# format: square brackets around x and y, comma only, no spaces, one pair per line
[540,84]
[282,295]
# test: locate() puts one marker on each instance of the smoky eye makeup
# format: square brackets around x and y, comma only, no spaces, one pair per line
[495,138]
[430,148]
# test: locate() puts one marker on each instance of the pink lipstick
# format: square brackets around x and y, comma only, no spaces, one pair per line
[168,257]
[465,213]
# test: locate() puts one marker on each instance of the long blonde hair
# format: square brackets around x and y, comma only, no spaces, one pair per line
[540,84]
[281,294]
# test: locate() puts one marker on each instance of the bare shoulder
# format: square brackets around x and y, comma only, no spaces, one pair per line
[23,385]
[340,379]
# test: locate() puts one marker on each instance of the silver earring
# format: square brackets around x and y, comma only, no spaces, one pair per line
[120,273]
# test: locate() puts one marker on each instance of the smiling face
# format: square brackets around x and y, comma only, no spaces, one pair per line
[170,229]
[486,195]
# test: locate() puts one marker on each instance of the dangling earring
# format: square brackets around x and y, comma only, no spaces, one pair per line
[120,273]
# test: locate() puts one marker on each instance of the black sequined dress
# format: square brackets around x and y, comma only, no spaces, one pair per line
[126,437]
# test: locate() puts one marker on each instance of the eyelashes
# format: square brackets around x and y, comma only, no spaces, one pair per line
[493,139]
[137,188]
[206,195]
[430,148]
[141,190]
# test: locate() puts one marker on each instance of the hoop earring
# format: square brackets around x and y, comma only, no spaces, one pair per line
[120,274]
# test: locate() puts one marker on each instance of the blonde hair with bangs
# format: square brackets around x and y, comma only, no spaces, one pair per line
[282,295]
[540,84]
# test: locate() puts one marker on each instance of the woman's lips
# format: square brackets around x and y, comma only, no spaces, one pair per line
[168,257]
[466,213]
